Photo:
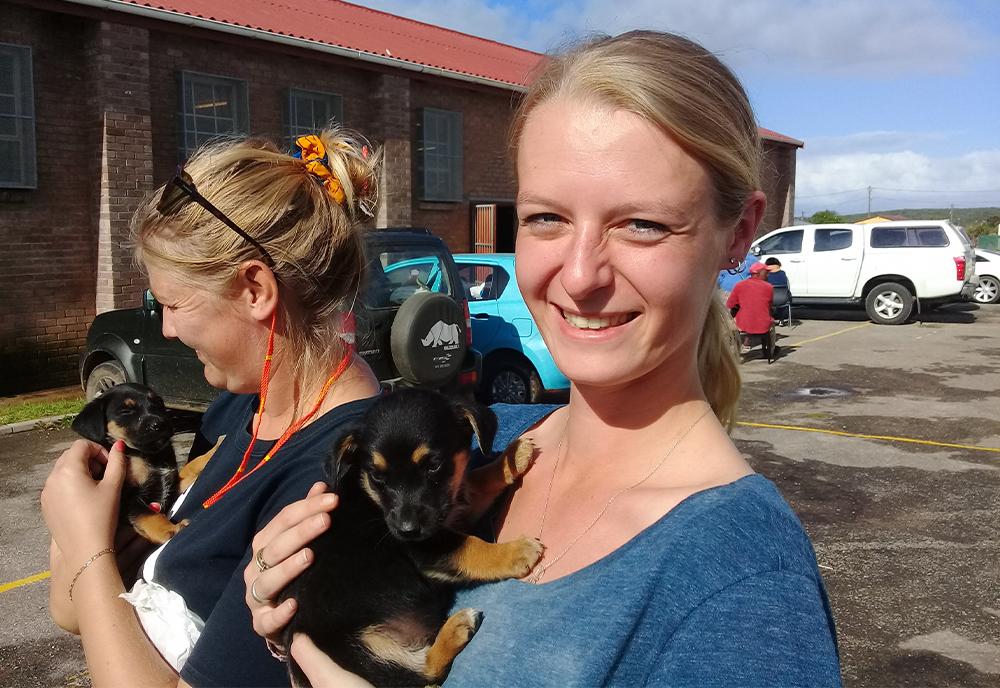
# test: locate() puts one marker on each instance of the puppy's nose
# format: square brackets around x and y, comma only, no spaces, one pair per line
[408,527]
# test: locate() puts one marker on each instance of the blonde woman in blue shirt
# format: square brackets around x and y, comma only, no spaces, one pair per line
[668,560]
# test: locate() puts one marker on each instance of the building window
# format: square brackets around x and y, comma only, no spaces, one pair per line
[440,152]
[309,112]
[17,119]
[211,106]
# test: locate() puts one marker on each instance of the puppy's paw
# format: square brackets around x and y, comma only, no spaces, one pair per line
[524,553]
[463,625]
[157,527]
[519,459]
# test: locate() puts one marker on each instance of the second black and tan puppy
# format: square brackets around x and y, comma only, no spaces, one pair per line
[377,596]
[136,415]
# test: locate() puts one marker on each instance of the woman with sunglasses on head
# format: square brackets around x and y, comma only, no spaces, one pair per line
[256,258]
[668,561]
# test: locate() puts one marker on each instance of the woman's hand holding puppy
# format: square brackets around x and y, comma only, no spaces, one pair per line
[80,499]
[282,546]
[80,506]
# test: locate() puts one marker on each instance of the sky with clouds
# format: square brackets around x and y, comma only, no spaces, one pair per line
[899,95]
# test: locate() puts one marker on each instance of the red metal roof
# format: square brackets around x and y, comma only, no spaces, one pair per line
[353,27]
[780,138]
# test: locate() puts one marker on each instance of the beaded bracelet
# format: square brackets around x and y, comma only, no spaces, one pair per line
[108,550]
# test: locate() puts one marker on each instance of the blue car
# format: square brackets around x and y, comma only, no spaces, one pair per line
[517,367]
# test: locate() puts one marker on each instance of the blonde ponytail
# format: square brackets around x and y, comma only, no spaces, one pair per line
[718,362]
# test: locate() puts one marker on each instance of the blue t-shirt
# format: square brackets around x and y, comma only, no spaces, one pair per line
[727,280]
[204,562]
[723,590]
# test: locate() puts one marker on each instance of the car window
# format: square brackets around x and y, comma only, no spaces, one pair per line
[833,239]
[484,282]
[783,242]
[927,236]
[888,237]
[394,276]
[982,259]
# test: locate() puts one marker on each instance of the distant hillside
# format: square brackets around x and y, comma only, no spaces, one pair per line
[960,216]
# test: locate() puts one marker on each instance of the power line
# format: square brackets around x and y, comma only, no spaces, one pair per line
[869,189]
[952,191]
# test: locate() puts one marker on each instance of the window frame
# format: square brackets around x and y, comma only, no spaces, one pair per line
[334,101]
[23,95]
[450,163]
[239,103]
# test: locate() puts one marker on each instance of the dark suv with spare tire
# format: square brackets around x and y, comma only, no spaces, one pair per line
[412,327]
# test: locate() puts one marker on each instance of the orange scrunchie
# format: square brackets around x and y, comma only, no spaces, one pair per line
[313,154]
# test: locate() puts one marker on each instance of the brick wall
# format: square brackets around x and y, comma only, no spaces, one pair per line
[487,174]
[779,185]
[269,73]
[48,259]
[120,98]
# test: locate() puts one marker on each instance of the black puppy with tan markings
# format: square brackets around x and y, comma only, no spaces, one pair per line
[377,596]
[136,415]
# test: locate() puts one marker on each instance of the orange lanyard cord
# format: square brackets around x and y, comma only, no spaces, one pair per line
[265,380]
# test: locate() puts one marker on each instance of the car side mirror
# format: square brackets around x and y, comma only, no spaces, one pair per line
[755,250]
[149,302]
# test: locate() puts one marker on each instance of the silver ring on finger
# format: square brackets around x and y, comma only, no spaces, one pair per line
[253,593]
[262,565]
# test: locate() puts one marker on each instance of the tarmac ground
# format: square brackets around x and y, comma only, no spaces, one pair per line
[885,440]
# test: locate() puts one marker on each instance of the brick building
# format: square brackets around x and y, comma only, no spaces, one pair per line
[100,99]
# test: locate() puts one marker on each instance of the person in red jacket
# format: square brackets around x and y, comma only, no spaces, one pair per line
[752,298]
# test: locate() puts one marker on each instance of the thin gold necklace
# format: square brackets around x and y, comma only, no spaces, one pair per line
[540,570]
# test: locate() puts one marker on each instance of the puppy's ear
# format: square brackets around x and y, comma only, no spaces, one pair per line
[345,454]
[90,423]
[481,419]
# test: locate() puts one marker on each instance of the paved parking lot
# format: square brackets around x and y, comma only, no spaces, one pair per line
[886,440]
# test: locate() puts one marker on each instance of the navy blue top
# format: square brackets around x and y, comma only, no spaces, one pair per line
[723,590]
[204,562]
[778,278]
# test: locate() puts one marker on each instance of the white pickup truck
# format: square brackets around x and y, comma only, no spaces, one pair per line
[889,267]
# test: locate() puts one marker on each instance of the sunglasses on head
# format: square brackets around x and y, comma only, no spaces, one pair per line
[181,190]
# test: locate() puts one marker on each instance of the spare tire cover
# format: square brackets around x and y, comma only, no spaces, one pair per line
[428,338]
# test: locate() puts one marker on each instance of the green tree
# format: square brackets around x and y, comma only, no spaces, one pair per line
[987,226]
[825,217]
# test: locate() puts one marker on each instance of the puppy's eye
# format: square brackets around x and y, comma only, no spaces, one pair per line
[377,477]
[434,464]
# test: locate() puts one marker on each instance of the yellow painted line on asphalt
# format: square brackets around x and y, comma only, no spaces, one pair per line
[887,438]
[4,587]
[832,334]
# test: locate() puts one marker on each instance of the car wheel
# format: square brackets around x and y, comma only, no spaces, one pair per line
[889,304]
[988,290]
[511,382]
[103,377]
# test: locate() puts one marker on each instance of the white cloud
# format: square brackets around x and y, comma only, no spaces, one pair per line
[850,37]
[901,179]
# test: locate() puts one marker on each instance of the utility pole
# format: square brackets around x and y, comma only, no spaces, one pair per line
[869,200]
